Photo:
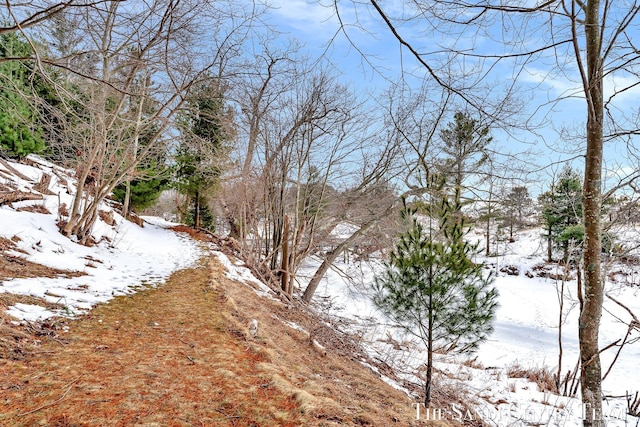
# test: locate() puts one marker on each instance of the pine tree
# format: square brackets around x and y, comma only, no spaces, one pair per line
[20,133]
[515,203]
[206,131]
[144,192]
[562,213]
[465,142]
[150,179]
[205,217]
[433,289]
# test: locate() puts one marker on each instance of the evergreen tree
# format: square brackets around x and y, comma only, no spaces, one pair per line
[205,216]
[434,290]
[465,143]
[562,213]
[516,203]
[206,132]
[144,192]
[151,176]
[20,133]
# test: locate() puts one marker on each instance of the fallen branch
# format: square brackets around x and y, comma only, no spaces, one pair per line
[14,170]
[47,405]
[17,196]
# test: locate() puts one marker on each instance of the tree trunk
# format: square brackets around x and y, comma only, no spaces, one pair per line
[284,269]
[80,191]
[560,322]
[127,198]
[196,212]
[331,257]
[428,382]
[589,325]
[488,242]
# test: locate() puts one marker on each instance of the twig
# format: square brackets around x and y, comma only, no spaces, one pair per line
[190,344]
[633,324]
[623,306]
[624,341]
[227,415]
[52,403]
[633,405]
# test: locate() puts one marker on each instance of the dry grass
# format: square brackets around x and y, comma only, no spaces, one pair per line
[159,357]
[331,385]
[543,377]
[13,266]
[473,363]
[182,355]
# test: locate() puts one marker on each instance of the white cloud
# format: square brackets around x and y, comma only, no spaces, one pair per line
[311,18]
[620,87]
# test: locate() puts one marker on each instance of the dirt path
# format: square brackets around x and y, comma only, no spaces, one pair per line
[182,354]
[161,357]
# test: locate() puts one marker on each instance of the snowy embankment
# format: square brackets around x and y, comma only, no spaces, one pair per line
[525,338]
[526,327]
[125,257]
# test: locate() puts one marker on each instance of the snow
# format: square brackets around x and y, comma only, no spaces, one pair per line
[525,335]
[28,312]
[126,257]
[238,272]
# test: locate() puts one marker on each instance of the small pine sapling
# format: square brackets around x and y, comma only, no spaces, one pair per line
[433,289]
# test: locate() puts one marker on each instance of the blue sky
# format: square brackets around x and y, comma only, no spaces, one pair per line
[315,25]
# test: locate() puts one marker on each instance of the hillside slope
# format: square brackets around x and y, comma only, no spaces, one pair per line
[182,354]
[102,336]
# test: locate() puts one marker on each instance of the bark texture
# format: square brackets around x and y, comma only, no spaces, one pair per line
[589,326]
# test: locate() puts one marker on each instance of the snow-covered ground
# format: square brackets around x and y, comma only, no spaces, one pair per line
[525,335]
[526,327]
[127,256]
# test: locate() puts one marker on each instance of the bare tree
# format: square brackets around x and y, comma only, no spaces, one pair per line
[410,122]
[304,131]
[259,92]
[26,14]
[138,60]
[302,141]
